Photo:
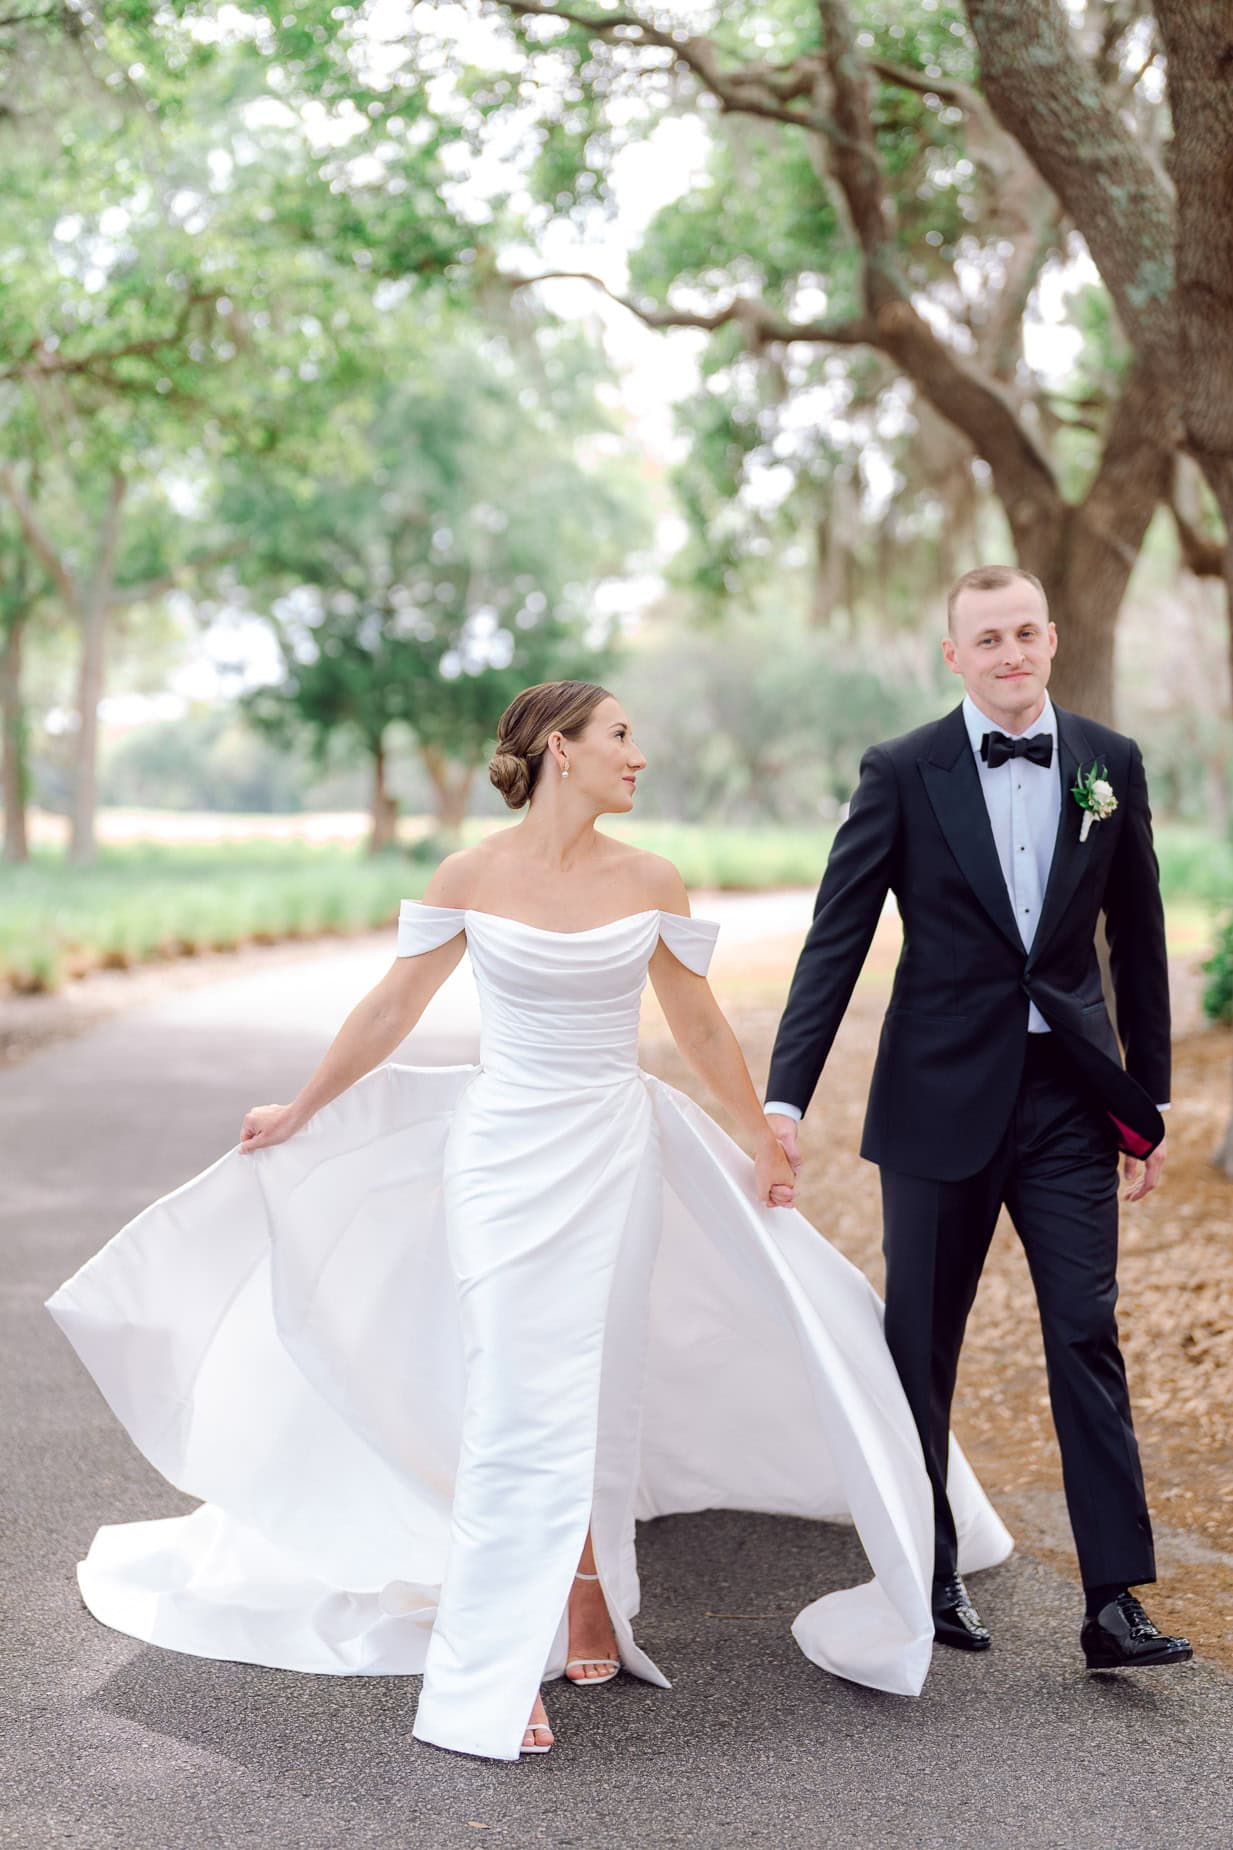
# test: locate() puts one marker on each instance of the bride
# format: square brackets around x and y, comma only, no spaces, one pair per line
[429,1341]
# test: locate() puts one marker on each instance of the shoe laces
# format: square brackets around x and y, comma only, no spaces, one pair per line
[1132,1611]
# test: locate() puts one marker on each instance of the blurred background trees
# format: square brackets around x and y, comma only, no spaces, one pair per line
[922,299]
[359,364]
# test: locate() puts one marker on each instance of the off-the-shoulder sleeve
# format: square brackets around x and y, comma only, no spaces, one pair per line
[423,928]
[690,940]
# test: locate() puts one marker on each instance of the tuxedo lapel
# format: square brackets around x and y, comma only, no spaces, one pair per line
[953,786]
[1070,858]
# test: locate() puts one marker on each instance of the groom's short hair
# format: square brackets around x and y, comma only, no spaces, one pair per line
[988,578]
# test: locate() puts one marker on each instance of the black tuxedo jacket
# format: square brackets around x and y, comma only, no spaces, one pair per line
[951,1054]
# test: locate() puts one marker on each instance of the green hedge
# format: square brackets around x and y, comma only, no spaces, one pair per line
[152,901]
[144,903]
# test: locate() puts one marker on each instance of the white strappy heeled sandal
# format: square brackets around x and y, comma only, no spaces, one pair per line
[582,1663]
[536,1747]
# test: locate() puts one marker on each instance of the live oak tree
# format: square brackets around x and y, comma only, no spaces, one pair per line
[833,78]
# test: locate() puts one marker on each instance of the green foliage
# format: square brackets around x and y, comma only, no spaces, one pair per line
[1218,970]
[207,759]
[1194,864]
[148,903]
[446,549]
[737,859]
[758,719]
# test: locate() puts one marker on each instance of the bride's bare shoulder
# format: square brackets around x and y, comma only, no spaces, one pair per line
[456,879]
[657,879]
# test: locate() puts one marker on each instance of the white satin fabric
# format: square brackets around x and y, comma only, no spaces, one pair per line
[407,1356]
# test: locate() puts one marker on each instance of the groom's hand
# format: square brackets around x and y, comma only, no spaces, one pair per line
[1151,1173]
[785,1129]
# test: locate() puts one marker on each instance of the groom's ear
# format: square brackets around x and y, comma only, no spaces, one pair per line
[1052,638]
[948,654]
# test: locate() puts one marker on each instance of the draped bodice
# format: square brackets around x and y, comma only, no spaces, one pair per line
[558,1009]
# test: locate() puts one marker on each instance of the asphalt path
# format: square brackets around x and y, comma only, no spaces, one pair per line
[108,1742]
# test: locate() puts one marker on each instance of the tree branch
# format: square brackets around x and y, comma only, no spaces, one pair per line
[1201,554]
[40,361]
[854,156]
[763,326]
[38,539]
[1023,209]
[149,588]
[1050,97]
[1136,463]
[966,395]
[1131,80]
[752,90]
[950,89]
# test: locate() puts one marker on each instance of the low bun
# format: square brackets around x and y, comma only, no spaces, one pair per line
[526,726]
[510,775]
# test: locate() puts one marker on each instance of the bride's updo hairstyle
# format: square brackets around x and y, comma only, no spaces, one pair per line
[526,725]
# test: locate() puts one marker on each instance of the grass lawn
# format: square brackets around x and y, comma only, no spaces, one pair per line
[151,900]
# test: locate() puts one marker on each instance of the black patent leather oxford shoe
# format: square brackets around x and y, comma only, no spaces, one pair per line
[955,1619]
[1122,1637]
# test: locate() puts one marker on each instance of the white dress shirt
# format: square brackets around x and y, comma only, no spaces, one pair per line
[1024,801]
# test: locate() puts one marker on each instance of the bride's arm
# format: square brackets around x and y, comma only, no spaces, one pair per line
[700,1030]
[377,1024]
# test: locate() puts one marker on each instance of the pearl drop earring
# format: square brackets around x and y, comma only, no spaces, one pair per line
[565,769]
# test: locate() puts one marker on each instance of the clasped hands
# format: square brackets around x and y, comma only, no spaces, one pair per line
[785,1131]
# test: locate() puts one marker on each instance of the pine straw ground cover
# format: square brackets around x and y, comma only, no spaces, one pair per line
[1176,1311]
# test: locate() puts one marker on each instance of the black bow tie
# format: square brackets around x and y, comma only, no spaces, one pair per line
[996,749]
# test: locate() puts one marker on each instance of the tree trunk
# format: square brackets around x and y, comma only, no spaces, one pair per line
[1198,39]
[13,783]
[95,610]
[82,844]
[384,806]
[451,785]
[1084,583]
[1084,555]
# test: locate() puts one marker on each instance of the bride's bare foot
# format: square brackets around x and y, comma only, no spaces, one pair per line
[592,1643]
[539,1736]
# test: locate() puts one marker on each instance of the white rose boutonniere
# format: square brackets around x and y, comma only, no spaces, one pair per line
[1093,793]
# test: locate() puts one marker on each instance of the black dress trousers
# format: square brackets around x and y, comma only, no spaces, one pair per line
[1056,1171]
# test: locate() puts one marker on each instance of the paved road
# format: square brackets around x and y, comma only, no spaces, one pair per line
[110,1743]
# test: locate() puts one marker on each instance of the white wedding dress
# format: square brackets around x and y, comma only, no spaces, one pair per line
[407,1356]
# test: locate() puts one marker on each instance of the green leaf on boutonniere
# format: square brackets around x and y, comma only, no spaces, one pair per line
[1093,793]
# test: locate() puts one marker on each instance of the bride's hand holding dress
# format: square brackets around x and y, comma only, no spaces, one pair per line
[376,1026]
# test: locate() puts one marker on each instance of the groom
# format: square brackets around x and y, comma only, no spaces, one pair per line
[998,1077]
